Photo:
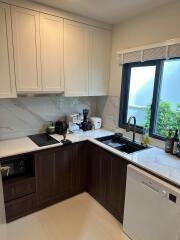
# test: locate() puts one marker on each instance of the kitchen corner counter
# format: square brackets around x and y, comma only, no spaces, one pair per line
[25,145]
[154,160]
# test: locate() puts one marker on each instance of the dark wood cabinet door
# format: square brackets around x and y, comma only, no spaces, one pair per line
[16,189]
[105,164]
[63,168]
[94,169]
[107,179]
[98,165]
[80,157]
[20,207]
[45,175]
[116,186]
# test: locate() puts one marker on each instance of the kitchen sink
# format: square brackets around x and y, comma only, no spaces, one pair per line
[117,141]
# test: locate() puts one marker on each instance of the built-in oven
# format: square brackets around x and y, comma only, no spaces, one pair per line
[17,166]
[13,167]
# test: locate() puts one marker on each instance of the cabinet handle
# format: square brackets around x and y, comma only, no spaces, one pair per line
[5,169]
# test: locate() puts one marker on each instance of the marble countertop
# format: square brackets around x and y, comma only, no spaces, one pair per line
[154,159]
[24,145]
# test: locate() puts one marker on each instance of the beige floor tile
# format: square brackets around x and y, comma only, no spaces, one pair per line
[78,218]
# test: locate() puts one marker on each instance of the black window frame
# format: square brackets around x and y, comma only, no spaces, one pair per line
[124,98]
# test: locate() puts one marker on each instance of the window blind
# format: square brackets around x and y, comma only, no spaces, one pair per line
[174,51]
[164,50]
[154,53]
[132,56]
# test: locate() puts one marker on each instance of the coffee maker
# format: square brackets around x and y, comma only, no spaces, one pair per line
[86,124]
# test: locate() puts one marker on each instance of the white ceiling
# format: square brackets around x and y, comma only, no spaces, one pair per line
[109,11]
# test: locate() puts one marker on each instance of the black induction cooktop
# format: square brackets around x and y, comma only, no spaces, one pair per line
[43,139]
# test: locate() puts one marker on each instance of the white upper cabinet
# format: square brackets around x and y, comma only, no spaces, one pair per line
[26,49]
[86,60]
[52,55]
[99,62]
[51,35]
[76,58]
[7,76]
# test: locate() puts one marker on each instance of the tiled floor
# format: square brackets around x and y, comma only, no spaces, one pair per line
[78,218]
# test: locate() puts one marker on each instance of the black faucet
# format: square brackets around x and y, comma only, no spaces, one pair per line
[134,129]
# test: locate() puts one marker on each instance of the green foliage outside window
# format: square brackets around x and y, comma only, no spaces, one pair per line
[167,118]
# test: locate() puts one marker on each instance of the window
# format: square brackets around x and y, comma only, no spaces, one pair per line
[151,92]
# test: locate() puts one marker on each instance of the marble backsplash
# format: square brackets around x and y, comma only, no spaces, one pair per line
[108,109]
[28,115]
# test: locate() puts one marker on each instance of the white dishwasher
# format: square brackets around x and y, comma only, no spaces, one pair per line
[152,207]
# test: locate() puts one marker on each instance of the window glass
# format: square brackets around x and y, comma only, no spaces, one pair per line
[169,98]
[141,94]
[152,86]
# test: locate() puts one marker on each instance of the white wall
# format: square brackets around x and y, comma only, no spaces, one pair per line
[155,26]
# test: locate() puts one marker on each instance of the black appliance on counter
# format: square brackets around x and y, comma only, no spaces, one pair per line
[43,139]
[86,125]
[17,166]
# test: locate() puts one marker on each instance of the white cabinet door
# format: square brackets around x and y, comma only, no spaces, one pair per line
[51,34]
[7,75]
[26,49]
[76,58]
[100,62]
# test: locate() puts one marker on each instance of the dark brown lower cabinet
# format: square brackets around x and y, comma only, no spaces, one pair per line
[21,187]
[80,160]
[54,173]
[97,173]
[44,165]
[116,186]
[107,180]
[63,171]
[60,173]
[66,171]
[20,207]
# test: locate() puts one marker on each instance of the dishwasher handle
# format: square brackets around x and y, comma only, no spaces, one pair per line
[150,185]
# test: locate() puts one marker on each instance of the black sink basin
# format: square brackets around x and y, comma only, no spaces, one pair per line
[122,144]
